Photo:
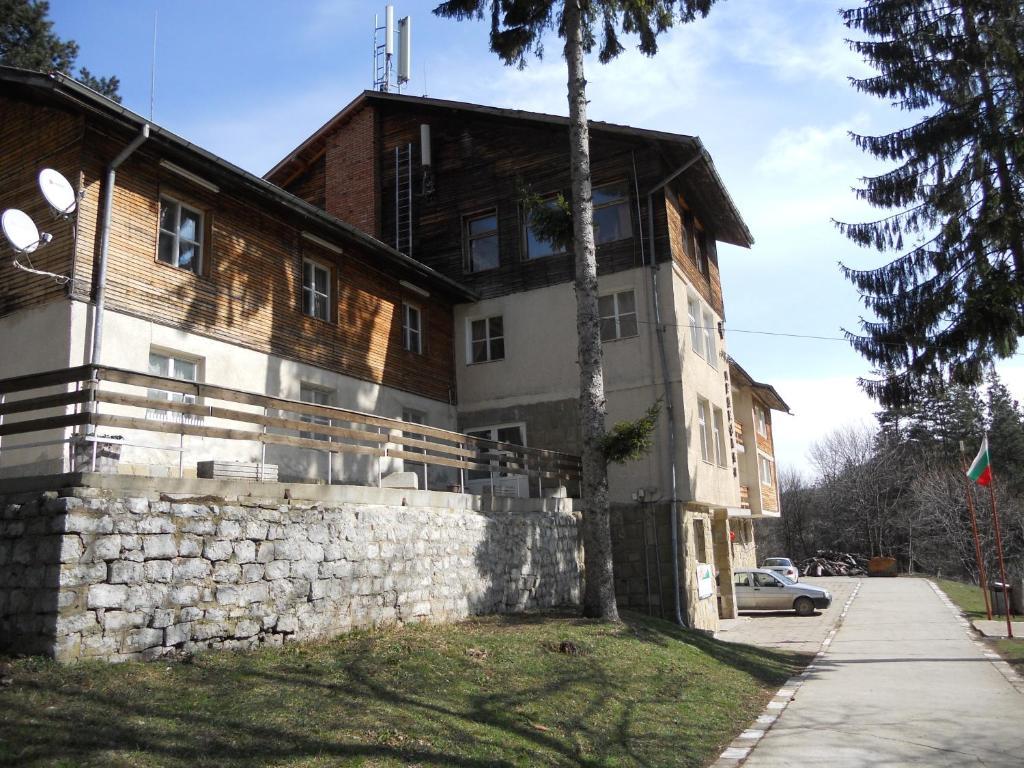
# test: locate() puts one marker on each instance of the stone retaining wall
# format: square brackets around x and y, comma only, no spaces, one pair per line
[85,574]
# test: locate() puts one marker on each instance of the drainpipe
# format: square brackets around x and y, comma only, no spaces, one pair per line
[680,597]
[101,267]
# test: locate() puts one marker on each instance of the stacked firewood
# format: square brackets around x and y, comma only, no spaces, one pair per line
[830,563]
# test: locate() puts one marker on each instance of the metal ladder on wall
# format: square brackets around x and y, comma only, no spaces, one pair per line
[403,199]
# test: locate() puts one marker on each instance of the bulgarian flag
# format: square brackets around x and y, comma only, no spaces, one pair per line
[981,470]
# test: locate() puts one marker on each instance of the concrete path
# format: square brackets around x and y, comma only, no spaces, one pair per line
[902,683]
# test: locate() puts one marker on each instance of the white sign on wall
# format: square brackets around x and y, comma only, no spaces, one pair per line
[705,581]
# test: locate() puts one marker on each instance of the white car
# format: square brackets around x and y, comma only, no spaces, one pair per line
[758,589]
[782,565]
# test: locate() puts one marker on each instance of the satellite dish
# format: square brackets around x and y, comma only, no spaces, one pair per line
[58,191]
[20,230]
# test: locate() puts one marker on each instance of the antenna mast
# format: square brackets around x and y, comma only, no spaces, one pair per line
[384,76]
[152,68]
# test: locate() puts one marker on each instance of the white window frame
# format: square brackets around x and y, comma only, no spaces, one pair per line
[761,417]
[173,357]
[693,311]
[618,315]
[492,434]
[703,427]
[311,394]
[718,429]
[309,289]
[412,338]
[765,470]
[709,339]
[197,263]
[488,339]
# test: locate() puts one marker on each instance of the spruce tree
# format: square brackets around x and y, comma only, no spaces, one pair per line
[27,40]
[517,31]
[951,300]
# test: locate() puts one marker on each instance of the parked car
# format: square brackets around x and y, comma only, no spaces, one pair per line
[758,589]
[782,565]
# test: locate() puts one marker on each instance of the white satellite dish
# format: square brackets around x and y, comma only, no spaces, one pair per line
[58,191]
[20,230]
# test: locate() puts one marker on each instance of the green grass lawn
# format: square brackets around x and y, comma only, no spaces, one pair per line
[972,602]
[551,690]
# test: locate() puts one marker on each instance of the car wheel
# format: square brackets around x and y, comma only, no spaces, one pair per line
[804,606]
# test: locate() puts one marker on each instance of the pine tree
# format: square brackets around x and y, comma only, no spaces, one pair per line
[517,30]
[952,299]
[27,41]
[1005,435]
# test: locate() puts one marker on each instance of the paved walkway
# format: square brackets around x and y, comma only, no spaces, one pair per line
[902,683]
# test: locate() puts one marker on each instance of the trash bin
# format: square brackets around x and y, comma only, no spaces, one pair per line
[998,599]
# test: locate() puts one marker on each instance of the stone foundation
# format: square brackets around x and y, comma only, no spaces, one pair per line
[94,573]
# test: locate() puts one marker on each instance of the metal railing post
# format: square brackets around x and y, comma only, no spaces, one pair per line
[263,449]
[3,397]
[181,455]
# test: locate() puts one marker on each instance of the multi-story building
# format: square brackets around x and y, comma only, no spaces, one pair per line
[445,181]
[388,266]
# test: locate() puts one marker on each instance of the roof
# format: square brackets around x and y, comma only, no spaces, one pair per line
[65,90]
[700,184]
[766,392]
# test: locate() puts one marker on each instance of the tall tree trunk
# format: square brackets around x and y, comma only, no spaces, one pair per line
[599,585]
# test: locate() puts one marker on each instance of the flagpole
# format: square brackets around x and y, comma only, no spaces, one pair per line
[974,530]
[999,554]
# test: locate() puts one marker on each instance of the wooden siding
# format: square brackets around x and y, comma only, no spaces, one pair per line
[249,292]
[709,285]
[351,174]
[769,496]
[33,138]
[765,443]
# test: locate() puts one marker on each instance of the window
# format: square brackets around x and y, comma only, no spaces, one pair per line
[181,235]
[700,248]
[762,420]
[693,315]
[704,424]
[699,545]
[412,416]
[537,247]
[316,290]
[171,365]
[611,213]
[505,433]
[315,396]
[487,340]
[709,339]
[766,471]
[618,315]
[741,579]
[719,437]
[481,234]
[412,328]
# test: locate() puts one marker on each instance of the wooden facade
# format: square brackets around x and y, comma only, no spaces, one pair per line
[249,287]
[482,161]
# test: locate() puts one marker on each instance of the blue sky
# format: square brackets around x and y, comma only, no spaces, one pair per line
[762,82]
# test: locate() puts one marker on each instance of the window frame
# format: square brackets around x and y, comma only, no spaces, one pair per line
[710,348]
[419,348]
[617,316]
[199,262]
[556,250]
[765,466]
[700,248]
[624,201]
[694,314]
[328,394]
[311,289]
[172,357]
[703,417]
[468,238]
[718,435]
[488,340]
[761,419]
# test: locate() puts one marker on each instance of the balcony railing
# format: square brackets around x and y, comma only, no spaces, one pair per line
[91,397]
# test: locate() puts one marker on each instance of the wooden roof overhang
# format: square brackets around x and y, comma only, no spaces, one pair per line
[700,184]
[62,91]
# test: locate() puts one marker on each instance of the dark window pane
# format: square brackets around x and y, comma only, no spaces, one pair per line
[307,273]
[189,226]
[627,325]
[479,330]
[483,225]
[168,216]
[609,193]
[626,302]
[497,326]
[608,329]
[320,278]
[479,351]
[606,306]
[166,250]
[320,307]
[497,349]
[612,223]
[512,435]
